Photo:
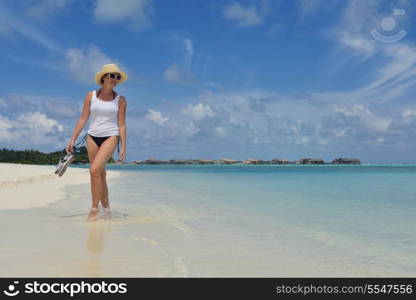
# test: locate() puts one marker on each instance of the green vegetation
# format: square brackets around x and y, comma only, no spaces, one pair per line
[35,157]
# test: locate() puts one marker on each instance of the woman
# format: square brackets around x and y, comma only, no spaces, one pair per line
[108,114]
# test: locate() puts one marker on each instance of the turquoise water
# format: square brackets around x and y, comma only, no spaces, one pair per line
[358,220]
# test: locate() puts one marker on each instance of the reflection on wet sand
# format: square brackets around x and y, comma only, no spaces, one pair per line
[95,247]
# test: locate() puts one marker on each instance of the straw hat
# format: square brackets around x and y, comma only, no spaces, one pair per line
[110,68]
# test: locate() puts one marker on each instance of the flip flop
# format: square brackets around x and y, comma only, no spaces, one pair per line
[63,163]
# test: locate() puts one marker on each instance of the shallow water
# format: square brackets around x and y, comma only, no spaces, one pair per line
[240,221]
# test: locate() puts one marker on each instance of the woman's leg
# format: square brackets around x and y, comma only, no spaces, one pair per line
[98,183]
[92,149]
[92,152]
[104,199]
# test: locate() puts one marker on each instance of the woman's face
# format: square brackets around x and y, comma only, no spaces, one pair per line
[110,82]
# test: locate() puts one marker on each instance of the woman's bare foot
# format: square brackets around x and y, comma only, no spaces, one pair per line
[107,213]
[93,214]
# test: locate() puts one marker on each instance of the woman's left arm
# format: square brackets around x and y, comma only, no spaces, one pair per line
[122,121]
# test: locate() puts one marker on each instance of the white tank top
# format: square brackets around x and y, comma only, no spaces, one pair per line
[104,116]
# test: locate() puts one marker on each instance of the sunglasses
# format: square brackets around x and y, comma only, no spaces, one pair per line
[114,75]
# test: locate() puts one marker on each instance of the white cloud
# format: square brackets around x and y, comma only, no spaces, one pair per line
[243,16]
[356,110]
[53,106]
[181,73]
[233,120]
[259,116]
[176,74]
[5,126]
[401,67]
[395,73]
[378,124]
[366,117]
[353,29]
[189,51]
[198,112]
[302,140]
[190,129]
[81,63]
[254,118]
[137,12]
[61,109]
[339,132]
[172,74]
[39,122]
[188,46]
[30,130]
[156,117]
[84,64]
[220,131]
[363,46]
[408,115]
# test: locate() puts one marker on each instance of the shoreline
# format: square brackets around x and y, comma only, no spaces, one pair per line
[158,231]
[25,186]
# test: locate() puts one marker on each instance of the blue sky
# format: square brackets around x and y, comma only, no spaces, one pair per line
[217,79]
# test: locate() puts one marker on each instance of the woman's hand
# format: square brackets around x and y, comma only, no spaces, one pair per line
[70,147]
[122,154]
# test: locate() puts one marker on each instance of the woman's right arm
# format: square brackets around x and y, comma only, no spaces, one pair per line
[85,114]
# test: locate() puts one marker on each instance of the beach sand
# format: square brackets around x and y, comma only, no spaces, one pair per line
[154,232]
[24,186]
[45,232]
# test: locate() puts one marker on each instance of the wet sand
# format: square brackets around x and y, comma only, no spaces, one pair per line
[155,231]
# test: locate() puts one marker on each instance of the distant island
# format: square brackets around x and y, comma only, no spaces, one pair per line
[250,161]
[35,157]
[81,157]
